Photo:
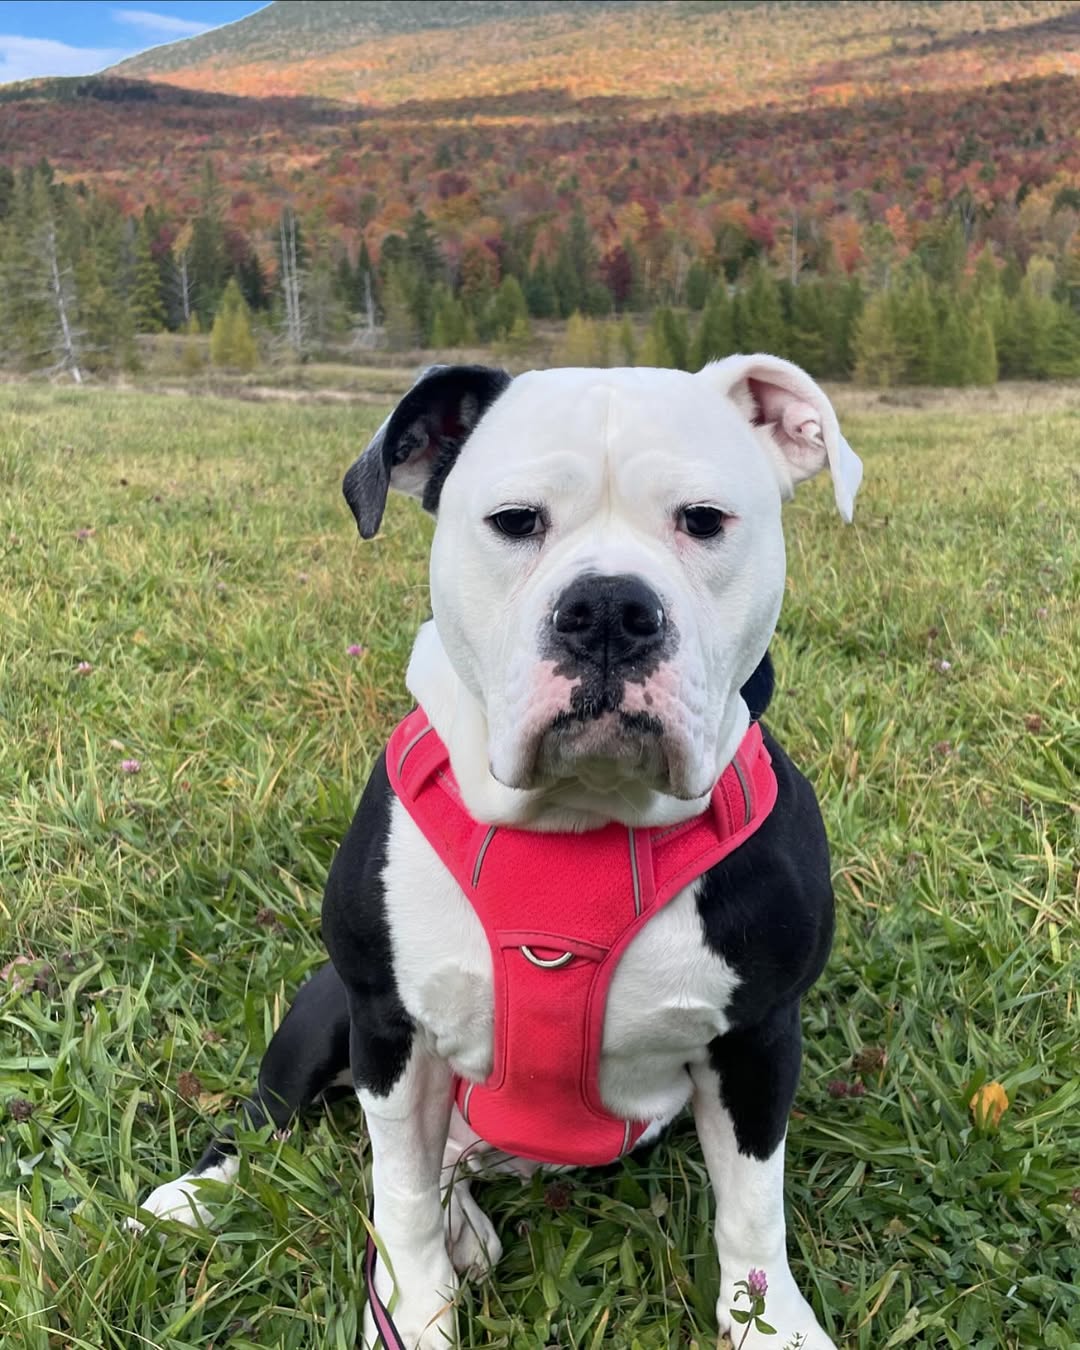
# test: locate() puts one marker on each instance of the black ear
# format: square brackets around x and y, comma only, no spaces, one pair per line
[418,444]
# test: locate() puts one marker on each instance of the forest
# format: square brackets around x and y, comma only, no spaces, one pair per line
[890,202]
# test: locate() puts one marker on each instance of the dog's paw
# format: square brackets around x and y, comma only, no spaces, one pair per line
[471,1239]
[177,1200]
[421,1324]
[796,1327]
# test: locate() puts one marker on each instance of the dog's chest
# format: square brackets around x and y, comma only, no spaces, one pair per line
[667,999]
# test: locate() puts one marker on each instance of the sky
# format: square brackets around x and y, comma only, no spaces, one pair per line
[78,37]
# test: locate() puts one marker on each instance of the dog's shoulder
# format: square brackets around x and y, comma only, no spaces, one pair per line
[767,908]
[354,916]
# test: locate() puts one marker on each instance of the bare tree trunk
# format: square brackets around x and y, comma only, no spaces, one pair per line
[70,358]
[290,284]
[185,287]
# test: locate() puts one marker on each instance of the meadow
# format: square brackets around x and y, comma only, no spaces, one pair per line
[199,661]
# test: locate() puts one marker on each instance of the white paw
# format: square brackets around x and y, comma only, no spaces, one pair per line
[421,1324]
[180,1201]
[785,1309]
[177,1200]
[471,1239]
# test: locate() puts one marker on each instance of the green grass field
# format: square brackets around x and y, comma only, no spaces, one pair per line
[196,553]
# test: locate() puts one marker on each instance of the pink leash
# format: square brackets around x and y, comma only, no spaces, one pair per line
[391,1338]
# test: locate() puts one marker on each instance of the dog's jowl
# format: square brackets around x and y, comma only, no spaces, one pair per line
[585,887]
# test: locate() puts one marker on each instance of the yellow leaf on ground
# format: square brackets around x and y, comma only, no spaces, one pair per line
[988,1105]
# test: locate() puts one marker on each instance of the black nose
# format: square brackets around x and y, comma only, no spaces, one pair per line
[609,620]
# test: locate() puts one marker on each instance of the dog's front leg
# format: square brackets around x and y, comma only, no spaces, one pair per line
[407,1125]
[741,1103]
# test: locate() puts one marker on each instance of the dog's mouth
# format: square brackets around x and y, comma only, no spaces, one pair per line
[601,749]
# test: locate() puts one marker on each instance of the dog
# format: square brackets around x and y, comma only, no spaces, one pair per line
[606,570]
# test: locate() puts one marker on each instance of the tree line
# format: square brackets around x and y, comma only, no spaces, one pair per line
[80,279]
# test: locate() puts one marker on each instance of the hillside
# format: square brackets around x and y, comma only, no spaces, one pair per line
[305,30]
[591,156]
[691,54]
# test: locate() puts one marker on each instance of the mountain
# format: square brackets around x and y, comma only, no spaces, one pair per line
[305,30]
[692,54]
[628,140]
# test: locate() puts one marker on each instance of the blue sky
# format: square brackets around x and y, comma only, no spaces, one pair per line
[76,37]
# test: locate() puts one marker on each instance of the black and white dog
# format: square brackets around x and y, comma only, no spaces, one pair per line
[645,504]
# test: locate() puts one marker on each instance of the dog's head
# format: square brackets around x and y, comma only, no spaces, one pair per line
[608,561]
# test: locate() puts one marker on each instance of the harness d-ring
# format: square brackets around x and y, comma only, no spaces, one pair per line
[553,964]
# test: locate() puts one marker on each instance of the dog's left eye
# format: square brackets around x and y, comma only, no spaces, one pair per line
[701,522]
[518,522]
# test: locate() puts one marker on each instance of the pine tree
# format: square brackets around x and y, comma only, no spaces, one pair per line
[953,363]
[508,308]
[759,320]
[575,349]
[879,356]
[919,330]
[191,357]
[697,285]
[398,317]
[715,336]
[448,324]
[206,257]
[540,293]
[232,345]
[984,363]
[148,311]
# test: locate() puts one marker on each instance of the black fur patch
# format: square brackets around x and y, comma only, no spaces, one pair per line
[767,909]
[357,936]
[433,421]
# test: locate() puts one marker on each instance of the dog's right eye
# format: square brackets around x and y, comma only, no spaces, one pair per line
[518,522]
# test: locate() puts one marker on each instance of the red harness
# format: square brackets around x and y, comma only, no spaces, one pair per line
[559,911]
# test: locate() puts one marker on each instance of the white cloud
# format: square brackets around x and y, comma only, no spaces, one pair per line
[159,25]
[25,58]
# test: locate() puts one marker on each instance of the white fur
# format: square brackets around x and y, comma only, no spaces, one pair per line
[612,456]
[750,1226]
[179,1200]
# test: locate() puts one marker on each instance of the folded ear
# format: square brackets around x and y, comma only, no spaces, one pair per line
[793,420]
[418,444]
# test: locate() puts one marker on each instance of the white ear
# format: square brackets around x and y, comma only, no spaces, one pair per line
[793,419]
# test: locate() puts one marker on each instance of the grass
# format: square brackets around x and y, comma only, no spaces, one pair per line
[162,919]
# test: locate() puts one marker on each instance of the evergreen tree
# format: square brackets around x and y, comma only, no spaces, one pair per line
[715,336]
[844,306]
[449,325]
[953,362]
[879,356]
[508,308]
[540,293]
[984,363]
[206,257]
[584,343]
[582,256]
[920,330]
[759,320]
[191,358]
[398,316]
[808,318]
[1031,326]
[232,345]
[567,283]
[698,286]
[148,311]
